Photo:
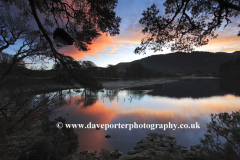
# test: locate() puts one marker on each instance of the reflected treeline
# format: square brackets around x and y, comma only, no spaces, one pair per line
[230,85]
[131,93]
[85,98]
[109,95]
[139,92]
[82,97]
[196,88]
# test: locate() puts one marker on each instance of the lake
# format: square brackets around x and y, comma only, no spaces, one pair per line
[185,101]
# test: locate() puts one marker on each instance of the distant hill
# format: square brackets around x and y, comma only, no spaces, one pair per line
[184,63]
[19,70]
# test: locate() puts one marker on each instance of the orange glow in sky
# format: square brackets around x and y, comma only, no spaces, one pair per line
[120,48]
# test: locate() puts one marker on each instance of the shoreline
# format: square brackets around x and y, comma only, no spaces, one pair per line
[112,85]
[121,84]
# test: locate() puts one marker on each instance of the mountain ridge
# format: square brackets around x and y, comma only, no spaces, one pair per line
[184,63]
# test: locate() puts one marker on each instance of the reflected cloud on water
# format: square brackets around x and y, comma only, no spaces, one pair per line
[113,107]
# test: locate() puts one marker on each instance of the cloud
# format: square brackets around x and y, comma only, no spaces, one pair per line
[113,49]
[97,113]
[131,34]
[111,53]
[97,48]
[227,40]
[177,111]
[223,43]
[184,109]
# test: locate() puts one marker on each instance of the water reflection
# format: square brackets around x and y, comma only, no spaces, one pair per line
[197,88]
[148,105]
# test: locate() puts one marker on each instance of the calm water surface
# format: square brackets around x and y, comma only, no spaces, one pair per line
[181,102]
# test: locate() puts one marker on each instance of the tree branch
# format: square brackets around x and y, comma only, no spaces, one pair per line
[226,4]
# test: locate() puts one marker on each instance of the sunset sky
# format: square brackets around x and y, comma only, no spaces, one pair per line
[113,50]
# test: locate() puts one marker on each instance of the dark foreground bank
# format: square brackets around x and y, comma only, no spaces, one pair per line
[154,146]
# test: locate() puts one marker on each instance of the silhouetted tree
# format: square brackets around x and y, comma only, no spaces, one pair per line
[112,71]
[186,24]
[6,60]
[222,140]
[121,74]
[56,144]
[83,71]
[60,23]
[89,66]
[138,71]
[70,22]
[57,66]
[157,74]
[230,69]
[12,28]
[148,73]
[230,86]
[127,73]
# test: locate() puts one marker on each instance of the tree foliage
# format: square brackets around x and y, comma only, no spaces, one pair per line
[187,24]
[230,69]
[138,71]
[56,144]
[80,71]
[61,23]
[83,20]
[222,140]
[12,28]
[112,71]
[6,59]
